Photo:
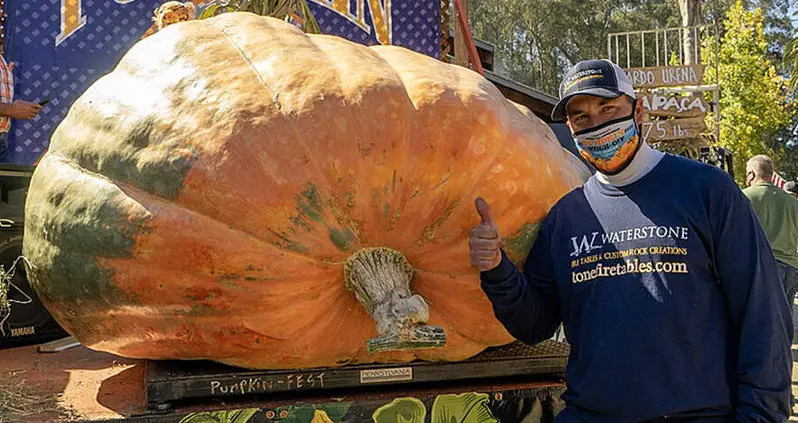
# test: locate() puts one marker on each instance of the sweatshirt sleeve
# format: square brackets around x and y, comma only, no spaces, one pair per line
[526,303]
[759,314]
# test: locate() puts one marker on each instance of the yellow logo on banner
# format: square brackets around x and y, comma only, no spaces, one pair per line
[73,18]
[380,15]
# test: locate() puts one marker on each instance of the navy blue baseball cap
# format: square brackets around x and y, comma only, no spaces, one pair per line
[601,78]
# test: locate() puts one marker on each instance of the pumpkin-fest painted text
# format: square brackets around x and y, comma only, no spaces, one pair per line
[258,385]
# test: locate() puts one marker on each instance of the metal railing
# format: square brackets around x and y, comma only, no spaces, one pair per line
[657,47]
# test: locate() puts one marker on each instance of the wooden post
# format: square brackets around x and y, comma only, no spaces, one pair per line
[467,39]
[460,46]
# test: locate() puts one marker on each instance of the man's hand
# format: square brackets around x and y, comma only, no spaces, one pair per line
[485,239]
[21,109]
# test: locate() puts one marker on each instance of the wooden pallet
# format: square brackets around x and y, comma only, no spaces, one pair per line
[169,381]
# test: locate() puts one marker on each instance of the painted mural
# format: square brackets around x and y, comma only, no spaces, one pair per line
[538,405]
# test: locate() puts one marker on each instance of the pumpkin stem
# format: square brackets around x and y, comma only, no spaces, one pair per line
[380,278]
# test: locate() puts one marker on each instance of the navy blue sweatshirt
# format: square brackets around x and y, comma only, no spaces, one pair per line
[669,295]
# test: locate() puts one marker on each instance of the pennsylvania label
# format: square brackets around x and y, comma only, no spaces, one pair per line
[386,375]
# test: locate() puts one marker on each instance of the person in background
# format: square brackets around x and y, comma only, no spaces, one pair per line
[170,13]
[10,108]
[777,211]
[791,188]
[659,271]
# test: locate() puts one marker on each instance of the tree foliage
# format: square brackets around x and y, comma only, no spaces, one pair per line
[791,60]
[776,19]
[755,105]
[537,40]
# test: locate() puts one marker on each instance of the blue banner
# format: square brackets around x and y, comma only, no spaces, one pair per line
[62,46]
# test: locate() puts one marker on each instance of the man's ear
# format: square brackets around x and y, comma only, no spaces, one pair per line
[639,111]
[569,124]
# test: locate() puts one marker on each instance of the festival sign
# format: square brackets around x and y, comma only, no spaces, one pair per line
[61,47]
[670,105]
[666,76]
[673,129]
[675,117]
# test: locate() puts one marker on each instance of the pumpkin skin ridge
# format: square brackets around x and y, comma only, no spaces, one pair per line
[318,168]
[433,290]
[155,199]
[333,289]
[62,160]
[175,203]
[484,97]
[409,126]
[331,275]
[54,252]
[515,136]
[240,52]
[271,92]
[243,284]
[323,43]
[91,162]
[129,346]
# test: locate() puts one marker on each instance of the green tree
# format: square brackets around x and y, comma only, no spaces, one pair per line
[778,25]
[791,60]
[754,105]
[537,40]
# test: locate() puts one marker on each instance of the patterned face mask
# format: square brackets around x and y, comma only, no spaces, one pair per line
[611,146]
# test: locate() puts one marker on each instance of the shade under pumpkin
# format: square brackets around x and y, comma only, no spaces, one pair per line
[239,191]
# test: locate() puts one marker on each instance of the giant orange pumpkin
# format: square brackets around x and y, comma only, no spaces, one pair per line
[236,190]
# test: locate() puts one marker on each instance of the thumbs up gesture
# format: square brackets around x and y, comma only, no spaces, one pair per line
[485,239]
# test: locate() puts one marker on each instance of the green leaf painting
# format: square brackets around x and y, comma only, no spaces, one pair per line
[463,408]
[234,416]
[314,413]
[401,410]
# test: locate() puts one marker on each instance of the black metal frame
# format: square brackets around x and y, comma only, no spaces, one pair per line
[169,381]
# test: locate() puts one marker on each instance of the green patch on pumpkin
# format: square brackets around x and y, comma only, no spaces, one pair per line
[520,242]
[286,243]
[232,285]
[309,206]
[429,233]
[200,309]
[74,220]
[343,238]
[309,202]
[147,152]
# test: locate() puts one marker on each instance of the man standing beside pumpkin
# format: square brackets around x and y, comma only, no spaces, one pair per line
[10,108]
[659,271]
